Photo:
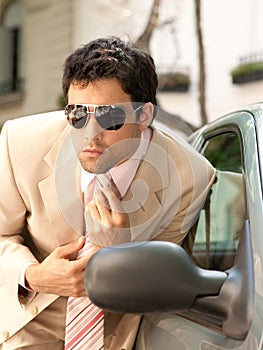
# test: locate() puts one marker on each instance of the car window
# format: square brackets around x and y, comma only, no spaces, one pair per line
[214,239]
[224,152]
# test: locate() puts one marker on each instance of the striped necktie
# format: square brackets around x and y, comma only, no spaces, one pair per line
[84,320]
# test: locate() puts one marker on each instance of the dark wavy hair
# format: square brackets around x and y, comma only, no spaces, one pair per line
[112,58]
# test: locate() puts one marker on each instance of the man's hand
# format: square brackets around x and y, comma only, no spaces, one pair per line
[57,274]
[106,221]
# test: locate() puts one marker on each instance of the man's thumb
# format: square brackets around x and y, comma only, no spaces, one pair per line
[71,249]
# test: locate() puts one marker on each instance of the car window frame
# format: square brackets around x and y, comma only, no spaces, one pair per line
[198,141]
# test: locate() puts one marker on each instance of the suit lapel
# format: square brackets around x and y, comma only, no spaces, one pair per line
[142,201]
[60,190]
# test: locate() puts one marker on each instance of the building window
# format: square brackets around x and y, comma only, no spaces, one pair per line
[10,48]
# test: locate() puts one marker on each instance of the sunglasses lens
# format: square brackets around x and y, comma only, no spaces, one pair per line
[110,117]
[77,115]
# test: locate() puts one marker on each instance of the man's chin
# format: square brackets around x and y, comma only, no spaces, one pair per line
[104,162]
[95,166]
[88,165]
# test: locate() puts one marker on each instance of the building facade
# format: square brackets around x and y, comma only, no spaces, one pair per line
[37,35]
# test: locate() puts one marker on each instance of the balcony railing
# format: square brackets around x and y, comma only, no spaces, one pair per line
[251,58]
[250,69]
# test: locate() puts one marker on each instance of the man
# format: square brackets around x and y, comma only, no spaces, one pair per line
[47,162]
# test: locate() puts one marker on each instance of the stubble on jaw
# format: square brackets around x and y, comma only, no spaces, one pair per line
[111,156]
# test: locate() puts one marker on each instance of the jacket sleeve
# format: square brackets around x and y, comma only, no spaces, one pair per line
[13,253]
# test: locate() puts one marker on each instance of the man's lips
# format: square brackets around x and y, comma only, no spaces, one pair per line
[92,152]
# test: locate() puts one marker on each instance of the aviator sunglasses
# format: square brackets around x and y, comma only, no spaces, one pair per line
[109,117]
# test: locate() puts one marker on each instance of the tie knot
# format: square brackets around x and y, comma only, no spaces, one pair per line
[101,181]
[105,180]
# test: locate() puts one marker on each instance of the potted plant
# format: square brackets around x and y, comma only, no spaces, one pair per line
[174,81]
[247,72]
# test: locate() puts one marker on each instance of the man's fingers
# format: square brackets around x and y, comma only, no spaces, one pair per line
[81,263]
[94,213]
[71,248]
[106,199]
[105,209]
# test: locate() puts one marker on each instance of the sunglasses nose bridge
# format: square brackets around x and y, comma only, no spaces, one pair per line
[92,128]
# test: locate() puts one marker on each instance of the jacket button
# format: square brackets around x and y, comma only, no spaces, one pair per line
[5,334]
[34,310]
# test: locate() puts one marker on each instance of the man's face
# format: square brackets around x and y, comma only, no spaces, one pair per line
[99,149]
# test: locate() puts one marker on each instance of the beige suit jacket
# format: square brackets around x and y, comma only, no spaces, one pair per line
[40,191]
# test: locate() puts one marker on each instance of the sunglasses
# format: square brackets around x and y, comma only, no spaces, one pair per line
[109,117]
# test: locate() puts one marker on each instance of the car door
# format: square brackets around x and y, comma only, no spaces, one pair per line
[217,243]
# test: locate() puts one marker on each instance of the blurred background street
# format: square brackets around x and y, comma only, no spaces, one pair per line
[208,53]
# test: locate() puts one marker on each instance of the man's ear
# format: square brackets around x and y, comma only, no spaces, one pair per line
[146,116]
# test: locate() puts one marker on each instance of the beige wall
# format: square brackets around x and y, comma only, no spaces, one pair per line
[47,40]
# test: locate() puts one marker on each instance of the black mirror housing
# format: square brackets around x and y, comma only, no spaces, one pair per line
[147,277]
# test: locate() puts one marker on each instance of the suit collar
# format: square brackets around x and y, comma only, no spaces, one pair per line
[143,200]
[60,190]
[63,140]
[155,166]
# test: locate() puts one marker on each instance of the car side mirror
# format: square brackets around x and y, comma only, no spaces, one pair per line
[149,277]
[161,271]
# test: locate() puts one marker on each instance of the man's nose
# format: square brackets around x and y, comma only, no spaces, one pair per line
[93,130]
